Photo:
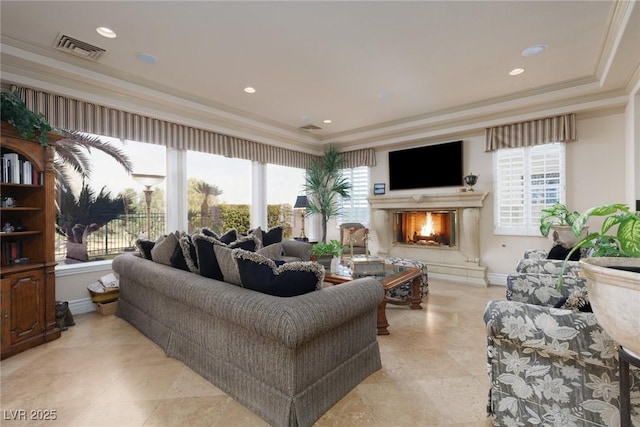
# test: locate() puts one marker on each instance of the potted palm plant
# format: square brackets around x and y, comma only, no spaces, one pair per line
[613,270]
[323,184]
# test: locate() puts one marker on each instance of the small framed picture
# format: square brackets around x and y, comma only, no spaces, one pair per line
[379,189]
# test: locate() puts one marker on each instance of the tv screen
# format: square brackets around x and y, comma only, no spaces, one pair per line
[438,165]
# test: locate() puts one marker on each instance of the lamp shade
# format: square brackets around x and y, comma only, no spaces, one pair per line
[301,202]
[146,179]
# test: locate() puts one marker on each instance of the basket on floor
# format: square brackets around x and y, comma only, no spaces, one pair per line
[103,297]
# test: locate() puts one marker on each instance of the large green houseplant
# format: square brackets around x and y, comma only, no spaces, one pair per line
[558,220]
[323,184]
[613,270]
[557,214]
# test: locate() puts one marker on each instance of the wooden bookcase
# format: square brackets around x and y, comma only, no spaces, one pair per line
[28,288]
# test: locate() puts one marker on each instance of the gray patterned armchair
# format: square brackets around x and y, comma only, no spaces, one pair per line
[551,366]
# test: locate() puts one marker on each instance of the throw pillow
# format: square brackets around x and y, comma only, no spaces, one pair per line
[273,235]
[208,264]
[255,234]
[577,301]
[261,274]
[229,237]
[185,254]
[273,251]
[229,266]
[560,252]
[164,249]
[144,247]
[189,252]
[357,237]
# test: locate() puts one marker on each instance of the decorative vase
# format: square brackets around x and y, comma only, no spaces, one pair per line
[470,180]
[335,261]
[613,284]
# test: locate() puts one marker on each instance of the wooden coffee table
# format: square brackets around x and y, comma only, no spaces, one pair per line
[394,276]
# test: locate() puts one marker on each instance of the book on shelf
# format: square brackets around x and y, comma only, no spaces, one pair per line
[16,170]
[11,251]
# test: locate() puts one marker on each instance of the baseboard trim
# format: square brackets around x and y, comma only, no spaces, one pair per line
[79,306]
[497,279]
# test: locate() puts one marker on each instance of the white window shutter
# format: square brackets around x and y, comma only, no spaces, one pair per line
[527,180]
[356,207]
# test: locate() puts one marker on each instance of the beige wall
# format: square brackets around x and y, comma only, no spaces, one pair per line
[595,175]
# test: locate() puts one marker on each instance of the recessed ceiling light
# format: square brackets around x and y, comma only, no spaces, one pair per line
[249,89]
[516,71]
[327,121]
[106,32]
[534,50]
[146,57]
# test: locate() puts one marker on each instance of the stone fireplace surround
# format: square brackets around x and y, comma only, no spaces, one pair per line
[460,263]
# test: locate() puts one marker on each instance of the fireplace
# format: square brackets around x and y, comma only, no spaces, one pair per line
[442,230]
[425,227]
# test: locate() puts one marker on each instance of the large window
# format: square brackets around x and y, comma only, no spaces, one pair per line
[356,207]
[527,180]
[103,215]
[284,184]
[218,192]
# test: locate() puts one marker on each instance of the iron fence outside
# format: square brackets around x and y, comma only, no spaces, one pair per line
[117,236]
[120,235]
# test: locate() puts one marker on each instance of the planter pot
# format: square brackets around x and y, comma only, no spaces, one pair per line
[325,261]
[563,235]
[615,297]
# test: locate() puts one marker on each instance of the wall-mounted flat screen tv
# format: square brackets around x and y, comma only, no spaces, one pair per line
[438,165]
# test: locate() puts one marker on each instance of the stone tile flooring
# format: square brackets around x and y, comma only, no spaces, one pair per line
[103,372]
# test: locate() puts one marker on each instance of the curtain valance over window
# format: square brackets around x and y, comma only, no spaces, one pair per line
[72,114]
[535,132]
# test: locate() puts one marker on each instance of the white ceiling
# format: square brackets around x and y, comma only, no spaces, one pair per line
[309,61]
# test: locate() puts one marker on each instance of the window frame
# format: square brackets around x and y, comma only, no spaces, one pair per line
[532,191]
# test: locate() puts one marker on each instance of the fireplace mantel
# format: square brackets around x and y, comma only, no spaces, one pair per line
[467,199]
[461,263]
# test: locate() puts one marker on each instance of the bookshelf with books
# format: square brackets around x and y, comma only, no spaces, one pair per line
[27,240]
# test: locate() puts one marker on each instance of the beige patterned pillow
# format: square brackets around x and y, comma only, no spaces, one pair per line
[164,249]
[357,236]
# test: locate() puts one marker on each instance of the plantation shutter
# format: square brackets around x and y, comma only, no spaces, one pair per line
[355,208]
[528,179]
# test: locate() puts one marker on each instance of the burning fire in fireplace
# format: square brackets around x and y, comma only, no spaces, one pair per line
[431,228]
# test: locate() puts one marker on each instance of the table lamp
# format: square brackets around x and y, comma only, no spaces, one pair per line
[302,203]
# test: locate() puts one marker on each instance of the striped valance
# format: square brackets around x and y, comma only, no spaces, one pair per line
[72,114]
[535,132]
[355,158]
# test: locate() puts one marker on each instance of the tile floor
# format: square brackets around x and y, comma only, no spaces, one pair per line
[103,372]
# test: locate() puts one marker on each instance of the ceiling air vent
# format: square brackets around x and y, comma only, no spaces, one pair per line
[78,48]
[310,127]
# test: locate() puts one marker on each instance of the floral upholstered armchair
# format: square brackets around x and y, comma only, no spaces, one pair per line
[551,366]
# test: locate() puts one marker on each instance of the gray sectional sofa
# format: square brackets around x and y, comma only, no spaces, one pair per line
[286,359]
